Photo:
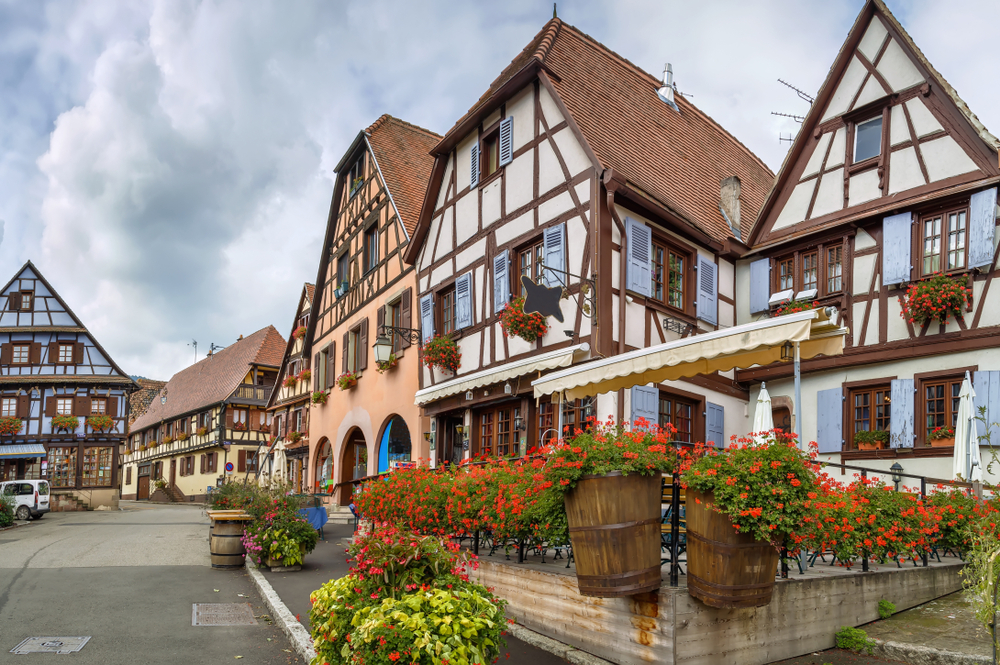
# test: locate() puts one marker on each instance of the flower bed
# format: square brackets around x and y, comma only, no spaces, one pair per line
[528,327]
[442,352]
[936,299]
[408,599]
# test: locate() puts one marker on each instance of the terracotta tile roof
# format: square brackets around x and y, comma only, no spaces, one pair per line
[310,291]
[213,379]
[140,400]
[402,151]
[677,159]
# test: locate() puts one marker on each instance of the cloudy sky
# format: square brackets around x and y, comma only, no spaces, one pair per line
[168,164]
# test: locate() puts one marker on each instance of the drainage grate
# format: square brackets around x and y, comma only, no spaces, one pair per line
[222,614]
[50,645]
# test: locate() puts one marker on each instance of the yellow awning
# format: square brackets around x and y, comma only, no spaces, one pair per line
[551,360]
[748,345]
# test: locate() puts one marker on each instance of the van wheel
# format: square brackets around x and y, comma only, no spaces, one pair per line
[23,513]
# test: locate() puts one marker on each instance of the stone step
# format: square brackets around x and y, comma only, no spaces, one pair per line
[341,519]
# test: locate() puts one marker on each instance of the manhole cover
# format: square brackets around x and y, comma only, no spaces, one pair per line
[50,645]
[222,614]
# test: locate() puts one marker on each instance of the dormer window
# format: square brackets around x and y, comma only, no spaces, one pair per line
[868,139]
[356,176]
[491,154]
[493,151]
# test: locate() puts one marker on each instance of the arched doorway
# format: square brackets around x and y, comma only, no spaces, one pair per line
[394,447]
[323,468]
[353,463]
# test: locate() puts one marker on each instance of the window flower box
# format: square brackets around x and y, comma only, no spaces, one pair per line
[10,426]
[167,440]
[240,427]
[794,306]
[341,290]
[300,332]
[101,423]
[442,352]
[347,380]
[290,381]
[305,375]
[356,185]
[528,327]
[942,437]
[319,397]
[202,431]
[181,436]
[382,368]
[936,299]
[294,437]
[876,440]
[65,423]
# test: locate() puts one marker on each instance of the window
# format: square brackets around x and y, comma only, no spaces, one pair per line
[62,467]
[668,276]
[447,300]
[251,461]
[679,412]
[820,268]
[786,274]
[944,241]
[576,415]
[810,271]
[205,419]
[529,265]
[371,247]
[871,409]
[8,407]
[26,298]
[343,270]
[356,176]
[170,429]
[64,406]
[97,467]
[65,353]
[21,354]
[240,416]
[491,154]
[355,350]
[128,475]
[298,420]
[99,406]
[867,139]
[940,404]
[834,269]
[211,462]
[22,301]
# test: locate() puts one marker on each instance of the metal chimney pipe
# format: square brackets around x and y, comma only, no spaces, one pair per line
[666,91]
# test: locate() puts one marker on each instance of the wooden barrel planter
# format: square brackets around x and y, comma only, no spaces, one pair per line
[226,538]
[614,525]
[726,569]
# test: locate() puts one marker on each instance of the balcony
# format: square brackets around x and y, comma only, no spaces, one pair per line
[251,395]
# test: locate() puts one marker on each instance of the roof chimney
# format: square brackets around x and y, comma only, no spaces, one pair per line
[666,91]
[729,203]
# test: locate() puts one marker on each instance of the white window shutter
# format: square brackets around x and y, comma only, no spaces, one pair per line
[708,287]
[427,317]
[896,248]
[982,225]
[555,254]
[901,414]
[474,165]
[715,424]
[501,281]
[760,286]
[645,404]
[463,301]
[639,242]
[987,387]
[830,420]
[507,141]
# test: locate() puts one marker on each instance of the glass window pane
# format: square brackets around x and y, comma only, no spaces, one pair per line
[867,139]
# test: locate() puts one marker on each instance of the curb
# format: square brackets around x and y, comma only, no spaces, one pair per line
[921,655]
[296,632]
[555,647]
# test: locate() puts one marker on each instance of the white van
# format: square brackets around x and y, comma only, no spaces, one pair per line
[31,497]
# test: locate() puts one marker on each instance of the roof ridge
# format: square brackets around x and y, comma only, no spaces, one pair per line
[680,98]
[550,30]
[385,118]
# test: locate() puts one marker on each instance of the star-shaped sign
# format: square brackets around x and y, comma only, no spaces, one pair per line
[542,299]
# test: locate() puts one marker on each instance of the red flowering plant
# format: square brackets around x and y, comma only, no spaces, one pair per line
[944,432]
[959,511]
[763,482]
[304,375]
[521,503]
[10,425]
[442,352]
[936,299]
[290,381]
[239,426]
[528,327]
[319,397]
[794,306]
[300,332]
[347,380]
[101,423]
[67,423]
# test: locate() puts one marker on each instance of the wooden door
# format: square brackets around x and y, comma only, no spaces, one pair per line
[143,492]
[173,471]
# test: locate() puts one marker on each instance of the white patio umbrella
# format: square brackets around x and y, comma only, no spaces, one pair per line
[763,420]
[966,463]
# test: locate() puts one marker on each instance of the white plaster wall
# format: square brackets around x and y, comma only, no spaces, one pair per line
[522,109]
[616,258]
[583,192]
[469,347]
[446,239]
[904,170]
[520,181]
[991,308]
[858,316]
[518,346]
[924,122]
[554,207]
[635,324]
[944,158]
[743,292]
[896,328]
[440,274]
[498,343]
[796,206]
[838,151]
[848,87]
[863,240]
[897,68]
[445,181]
[463,161]
[871,91]
[615,333]
[572,152]
[816,158]
[479,292]
[491,203]
[863,187]
[356,417]
[873,39]
[467,256]
[727,315]
[549,172]
[466,211]
[830,196]
[491,118]
[899,132]
[727,277]
[515,228]
[549,109]
[432,235]
[576,243]
[871,333]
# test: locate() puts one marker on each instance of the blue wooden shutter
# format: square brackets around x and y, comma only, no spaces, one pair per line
[474,165]
[896,248]
[639,241]
[645,404]
[507,141]
[830,420]
[982,224]
[708,286]
[901,414]
[715,425]
[760,285]
[987,387]
[427,316]
[463,301]
[555,254]
[501,281]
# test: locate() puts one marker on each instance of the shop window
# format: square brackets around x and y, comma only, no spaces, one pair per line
[97,467]
[62,467]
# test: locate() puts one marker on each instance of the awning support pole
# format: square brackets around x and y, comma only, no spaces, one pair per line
[798,399]
[559,405]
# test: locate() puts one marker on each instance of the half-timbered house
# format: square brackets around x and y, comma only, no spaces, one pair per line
[208,415]
[62,397]
[288,406]
[370,424]
[891,180]
[634,204]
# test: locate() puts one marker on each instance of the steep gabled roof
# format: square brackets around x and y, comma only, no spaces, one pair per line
[213,379]
[675,159]
[308,293]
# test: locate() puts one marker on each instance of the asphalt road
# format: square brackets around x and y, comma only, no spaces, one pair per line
[128,580]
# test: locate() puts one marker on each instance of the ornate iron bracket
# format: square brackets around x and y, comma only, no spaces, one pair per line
[588,291]
[411,334]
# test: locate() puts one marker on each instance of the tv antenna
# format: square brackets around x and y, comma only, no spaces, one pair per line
[213,347]
[803,96]
[796,118]
[785,139]
[194,343]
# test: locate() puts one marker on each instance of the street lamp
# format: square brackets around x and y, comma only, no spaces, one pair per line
[383,348]
[383,343]
[896,469]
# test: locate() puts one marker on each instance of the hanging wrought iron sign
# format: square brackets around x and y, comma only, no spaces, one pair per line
[544,300]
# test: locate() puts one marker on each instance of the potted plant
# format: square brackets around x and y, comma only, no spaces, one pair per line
[304,375]
[936,299]
[9,425]
[528,327]
[442,352]
[341,290]
[300,332]
[942,437]
[611,479]
[875,440]
[65,423]
[347,380]
[128,451]
[383,367]
[290,381]
[167,440]
[356,185]
[101,423]
[753,497]
[181,436]
[294,437]
[793,306]
[142,448]
[160,484]
[202,431]
[319,397]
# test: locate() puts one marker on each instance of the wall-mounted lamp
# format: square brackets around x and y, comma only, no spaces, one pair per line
[460,429]
[896,469]
[787,351]
[519,423]
[507,389]
[468,395]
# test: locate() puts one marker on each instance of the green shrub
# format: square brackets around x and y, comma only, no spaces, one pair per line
[856,640]
[6,510]
[885,609]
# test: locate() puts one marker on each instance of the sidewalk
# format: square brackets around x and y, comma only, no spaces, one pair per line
[329,561]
